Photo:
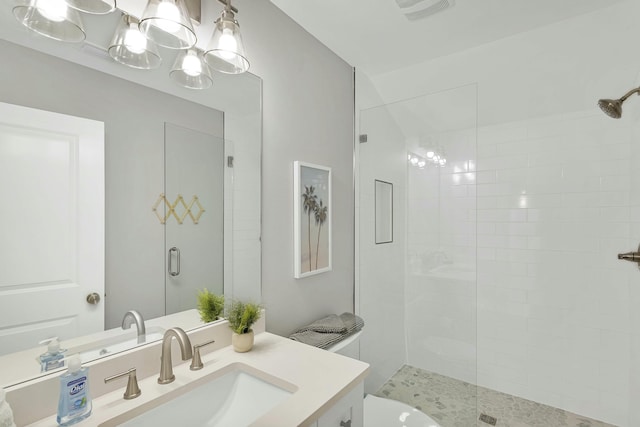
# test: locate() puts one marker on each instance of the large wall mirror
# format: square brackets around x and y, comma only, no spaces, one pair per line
[161,142]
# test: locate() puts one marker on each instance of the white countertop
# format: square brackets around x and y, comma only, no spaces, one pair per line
[320,378]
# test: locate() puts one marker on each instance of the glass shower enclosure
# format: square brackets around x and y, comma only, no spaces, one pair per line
[417,289]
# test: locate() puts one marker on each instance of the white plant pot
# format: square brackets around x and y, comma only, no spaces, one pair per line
[242,342]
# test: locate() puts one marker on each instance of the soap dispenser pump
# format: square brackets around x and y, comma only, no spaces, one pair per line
[54,357]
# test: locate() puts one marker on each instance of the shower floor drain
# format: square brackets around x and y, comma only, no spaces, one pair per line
[488,419]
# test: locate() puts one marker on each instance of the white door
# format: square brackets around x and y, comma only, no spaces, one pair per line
[194,170]
[51,226]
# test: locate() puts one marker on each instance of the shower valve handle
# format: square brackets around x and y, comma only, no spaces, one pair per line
[630,256]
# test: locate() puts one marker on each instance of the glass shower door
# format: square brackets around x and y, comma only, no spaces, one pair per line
[194,227]
[418,291]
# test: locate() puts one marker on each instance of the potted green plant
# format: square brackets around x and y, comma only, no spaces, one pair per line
[210,305]
[241,317]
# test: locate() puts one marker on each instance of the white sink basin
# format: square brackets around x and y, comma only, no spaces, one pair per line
[234,396]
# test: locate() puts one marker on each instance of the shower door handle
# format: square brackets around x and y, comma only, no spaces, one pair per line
[170,263]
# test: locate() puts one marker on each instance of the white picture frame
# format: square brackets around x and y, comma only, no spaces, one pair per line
[312,219]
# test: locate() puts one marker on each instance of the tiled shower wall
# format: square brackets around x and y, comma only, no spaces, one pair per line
[554,207]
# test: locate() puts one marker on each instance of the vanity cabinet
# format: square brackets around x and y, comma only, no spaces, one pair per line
[349,408]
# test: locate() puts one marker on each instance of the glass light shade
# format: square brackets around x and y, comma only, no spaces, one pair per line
[225,52]
[130,47]
[190,71]
[51,18]
[167,23]
[96,7]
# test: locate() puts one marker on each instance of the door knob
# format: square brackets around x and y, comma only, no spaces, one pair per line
[93,298]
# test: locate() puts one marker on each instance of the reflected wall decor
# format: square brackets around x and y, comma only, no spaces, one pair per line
[312,219]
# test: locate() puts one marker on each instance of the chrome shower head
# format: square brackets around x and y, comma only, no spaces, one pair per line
[613,107]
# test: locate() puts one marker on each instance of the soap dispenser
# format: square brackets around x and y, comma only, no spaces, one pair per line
[75,401]
[6,415]
[54,357]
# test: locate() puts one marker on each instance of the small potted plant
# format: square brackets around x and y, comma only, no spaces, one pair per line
[210,305]
[241,317]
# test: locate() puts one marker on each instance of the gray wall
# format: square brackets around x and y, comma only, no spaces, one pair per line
[134,119]
[308,116]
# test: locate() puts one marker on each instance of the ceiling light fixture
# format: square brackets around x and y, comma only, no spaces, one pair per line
[51,18]
[96,7]
[191,71]
[225,52]
[130,47]
[167,23]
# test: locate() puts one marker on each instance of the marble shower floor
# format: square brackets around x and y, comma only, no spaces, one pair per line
[452,403]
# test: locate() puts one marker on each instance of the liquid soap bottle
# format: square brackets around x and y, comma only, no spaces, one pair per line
[75,402]
[54,357]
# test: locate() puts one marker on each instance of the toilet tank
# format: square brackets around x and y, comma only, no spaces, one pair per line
[349,346]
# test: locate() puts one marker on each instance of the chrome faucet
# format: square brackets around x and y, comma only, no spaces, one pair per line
[132,316]
[166,367]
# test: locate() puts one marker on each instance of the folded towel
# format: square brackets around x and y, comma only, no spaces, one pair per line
[308,335]
[317,339]
[329,324]
[352,322]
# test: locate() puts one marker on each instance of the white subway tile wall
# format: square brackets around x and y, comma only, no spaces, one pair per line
[555,206]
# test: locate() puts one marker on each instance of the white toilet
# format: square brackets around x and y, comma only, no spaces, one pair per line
[378,411]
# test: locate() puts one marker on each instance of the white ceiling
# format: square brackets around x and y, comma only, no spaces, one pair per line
[376,37]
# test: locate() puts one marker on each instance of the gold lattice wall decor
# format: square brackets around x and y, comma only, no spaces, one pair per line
[179,204]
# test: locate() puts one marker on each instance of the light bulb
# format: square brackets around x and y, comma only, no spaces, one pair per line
[442,162]
[414,161]
[53,10]
[408,156]
[228,44]
[430,154]
[422,164]
[134,41]
[169,17]
[191,65]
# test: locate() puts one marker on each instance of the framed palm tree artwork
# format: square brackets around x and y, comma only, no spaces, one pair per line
[312,219]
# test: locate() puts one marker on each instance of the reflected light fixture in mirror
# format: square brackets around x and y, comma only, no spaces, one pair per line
[167,23]
[130,47]
[96,7]
[51,18]
[225,52]
[190,71]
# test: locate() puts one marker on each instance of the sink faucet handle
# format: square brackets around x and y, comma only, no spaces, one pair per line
[132,391]
[196,362]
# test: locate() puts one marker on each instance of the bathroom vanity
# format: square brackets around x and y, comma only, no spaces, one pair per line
[317,388]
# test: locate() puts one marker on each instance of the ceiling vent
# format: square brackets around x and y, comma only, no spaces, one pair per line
[414,10]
